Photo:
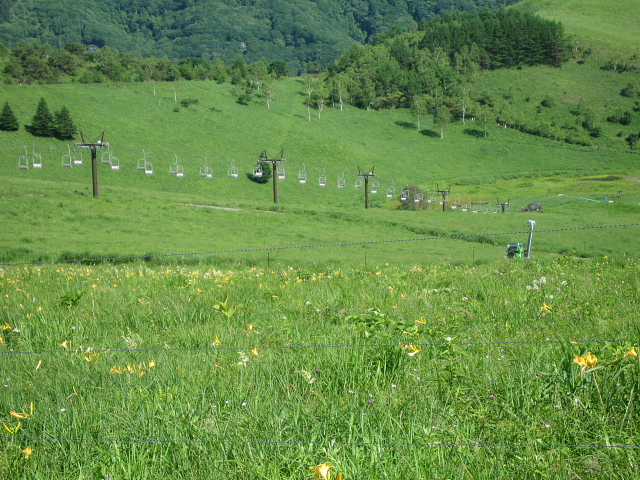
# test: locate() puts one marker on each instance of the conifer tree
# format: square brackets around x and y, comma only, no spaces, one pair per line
[64,128]
[42,124]
[8,121]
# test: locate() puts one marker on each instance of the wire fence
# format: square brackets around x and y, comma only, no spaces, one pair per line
[317,443]
[605,445]
[322,245]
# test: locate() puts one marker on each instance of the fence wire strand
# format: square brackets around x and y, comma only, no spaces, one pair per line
[321,245]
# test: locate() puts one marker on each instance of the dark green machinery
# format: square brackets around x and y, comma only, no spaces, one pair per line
[515,250]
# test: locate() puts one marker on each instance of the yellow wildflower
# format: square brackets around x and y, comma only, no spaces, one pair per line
[587,361]
[116,369]
[27,452]
[13,430]
[632,352]
[152,363]
[66,344]
[6,326]
[217,342]
[413,350]
[322,471]
[22,415]
[255,352]
[546,308]
[422,321]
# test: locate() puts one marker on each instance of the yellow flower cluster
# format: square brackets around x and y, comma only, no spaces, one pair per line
[588,360]
[139,369]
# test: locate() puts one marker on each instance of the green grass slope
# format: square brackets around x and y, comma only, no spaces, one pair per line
[49,213]
[608,24]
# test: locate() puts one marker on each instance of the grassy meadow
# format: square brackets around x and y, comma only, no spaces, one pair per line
[233,338]
[520,369]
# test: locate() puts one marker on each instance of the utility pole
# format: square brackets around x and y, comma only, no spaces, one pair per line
[531,225]
[274,170]
[366,184]
[503,205]
[444,194]
[94,159]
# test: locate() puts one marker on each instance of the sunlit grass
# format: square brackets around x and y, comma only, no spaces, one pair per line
[137,370]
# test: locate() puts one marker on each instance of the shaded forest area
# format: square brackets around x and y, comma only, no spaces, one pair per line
[296,31]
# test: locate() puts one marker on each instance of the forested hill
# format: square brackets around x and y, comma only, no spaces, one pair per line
[297,31]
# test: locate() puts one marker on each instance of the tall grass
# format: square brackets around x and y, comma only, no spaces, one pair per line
[195,372]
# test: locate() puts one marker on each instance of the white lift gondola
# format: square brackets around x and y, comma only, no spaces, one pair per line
[341,180]
[302,175]
[105,157]
[280,170]
[77,157]
[358,182]
[67,158]
[419,197]
[404,195]
[257,170]
[205,170]
[142,161]
[391,191]
[115,163]
[173,169]
[23,160]
[36,159]
[375,186]
[180,171]
[322,180]
[233,170]
[148,168]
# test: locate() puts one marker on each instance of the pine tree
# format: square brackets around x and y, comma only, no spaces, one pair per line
[42,124]
[8,121]
[64,128]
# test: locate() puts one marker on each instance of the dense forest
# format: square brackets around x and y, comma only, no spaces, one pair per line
[296,31]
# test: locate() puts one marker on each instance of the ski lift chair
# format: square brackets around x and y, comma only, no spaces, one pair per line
[232,172]
[322,180]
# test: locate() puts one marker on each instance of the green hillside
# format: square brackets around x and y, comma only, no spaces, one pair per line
[48,213]
[297,31]
[612,25]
